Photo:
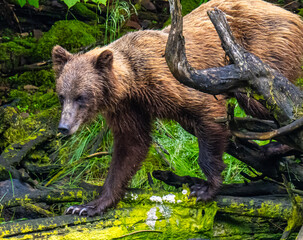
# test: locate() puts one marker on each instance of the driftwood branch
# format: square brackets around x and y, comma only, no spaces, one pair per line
[244,190]
[283,99]
[213,81]
[274,134]
[268,159]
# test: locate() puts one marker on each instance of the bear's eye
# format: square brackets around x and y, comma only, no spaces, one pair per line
[80,99]
[61,99]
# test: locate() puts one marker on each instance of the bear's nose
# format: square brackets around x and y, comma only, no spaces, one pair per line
[64,129]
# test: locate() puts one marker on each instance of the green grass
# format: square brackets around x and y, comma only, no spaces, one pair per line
[74,154]
[173,149]
[117,14]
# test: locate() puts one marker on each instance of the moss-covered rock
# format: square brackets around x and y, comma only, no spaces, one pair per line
[16,129]
[33,102]
[71,35]
[43,78]
[15,52]
[85,13]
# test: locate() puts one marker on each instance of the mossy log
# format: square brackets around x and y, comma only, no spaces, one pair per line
[14,155]
[166,215]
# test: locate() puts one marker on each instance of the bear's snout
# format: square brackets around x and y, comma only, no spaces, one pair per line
[63,128]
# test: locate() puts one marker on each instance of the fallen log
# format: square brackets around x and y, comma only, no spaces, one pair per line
[14,155]
[164,215]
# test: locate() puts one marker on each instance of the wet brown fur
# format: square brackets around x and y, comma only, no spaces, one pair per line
[133,85]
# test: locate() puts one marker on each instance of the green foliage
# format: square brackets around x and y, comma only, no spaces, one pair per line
[33,102]
[234,167]
[116,16]
[71,35]
[178,147]
[299,82]
[69,3]
[187,7]
[14,49]
[182,148]
[238,112]
[34,3]
[43,79]
[15,129]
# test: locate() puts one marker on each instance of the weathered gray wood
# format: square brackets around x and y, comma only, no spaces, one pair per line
[284,100]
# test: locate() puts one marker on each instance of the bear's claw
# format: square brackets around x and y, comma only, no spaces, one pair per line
[91,209]
[201,191]
[80,210]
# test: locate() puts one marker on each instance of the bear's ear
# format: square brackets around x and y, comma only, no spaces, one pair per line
[105,60]
[60,57]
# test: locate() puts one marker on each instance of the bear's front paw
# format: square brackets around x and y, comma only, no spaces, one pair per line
[202,191]
[94,208]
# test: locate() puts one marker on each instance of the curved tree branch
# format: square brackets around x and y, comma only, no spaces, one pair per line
[282,99]
[214,80]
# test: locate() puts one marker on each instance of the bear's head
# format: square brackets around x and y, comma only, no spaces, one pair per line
[82,84]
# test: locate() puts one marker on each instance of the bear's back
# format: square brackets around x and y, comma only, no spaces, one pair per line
[268,31]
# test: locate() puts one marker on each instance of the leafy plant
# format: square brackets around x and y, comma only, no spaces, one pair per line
[203,1]
[34,3]
[115,18]
[69,3]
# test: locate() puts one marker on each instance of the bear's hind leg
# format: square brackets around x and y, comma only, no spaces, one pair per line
[212,165]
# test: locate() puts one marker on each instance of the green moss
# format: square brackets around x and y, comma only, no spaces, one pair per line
[39,156]
[267,209]
[69,34]
[43,79]
[33,102]
[15,129]
[296,218]
[84,12]
[16,48]
[187,7]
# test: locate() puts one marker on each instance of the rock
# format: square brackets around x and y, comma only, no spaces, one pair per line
[148,5]
[24,115]
[37,33]
[30,88]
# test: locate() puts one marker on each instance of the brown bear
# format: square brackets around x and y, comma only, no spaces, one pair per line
[129,82]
